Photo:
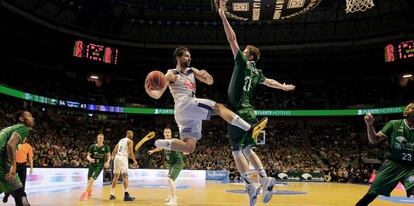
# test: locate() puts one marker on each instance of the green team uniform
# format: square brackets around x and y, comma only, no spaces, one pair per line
[175,163]
[399,163]
[99,154]
[244,81]
[5,134]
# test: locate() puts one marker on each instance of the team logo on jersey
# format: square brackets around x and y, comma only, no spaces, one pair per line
[402,143]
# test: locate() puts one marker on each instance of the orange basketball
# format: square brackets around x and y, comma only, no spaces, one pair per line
[155,80]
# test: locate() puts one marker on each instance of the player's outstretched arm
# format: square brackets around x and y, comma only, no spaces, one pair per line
[154,150]
[203,76]
[231,36]
[373,136]
[276,85]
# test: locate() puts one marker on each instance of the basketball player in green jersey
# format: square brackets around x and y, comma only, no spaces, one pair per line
[175,164]
[10,137]
[245,78]
[99,156]
[399,163]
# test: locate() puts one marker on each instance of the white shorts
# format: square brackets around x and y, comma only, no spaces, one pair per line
[120,164]
[190,115]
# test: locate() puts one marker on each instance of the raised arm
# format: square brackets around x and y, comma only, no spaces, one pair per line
[275,84]
[156,94]
[203,76]
[373,136]
[231,36]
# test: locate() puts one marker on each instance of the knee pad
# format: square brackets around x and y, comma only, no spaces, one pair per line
[237,154]
[247,151]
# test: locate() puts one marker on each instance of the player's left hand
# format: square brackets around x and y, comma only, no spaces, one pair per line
[31,171]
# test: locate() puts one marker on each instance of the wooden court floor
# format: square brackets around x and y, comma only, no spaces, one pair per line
[153,193]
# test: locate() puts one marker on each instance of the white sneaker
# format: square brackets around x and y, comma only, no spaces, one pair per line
[173,201]
[253,190]
[267,187]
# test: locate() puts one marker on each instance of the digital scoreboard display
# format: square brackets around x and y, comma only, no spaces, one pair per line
[95,52]
[399,51]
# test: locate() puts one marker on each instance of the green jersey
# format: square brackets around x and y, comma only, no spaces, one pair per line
[173,157]
[6,133]
[401,147]
[98,153]
[251,78]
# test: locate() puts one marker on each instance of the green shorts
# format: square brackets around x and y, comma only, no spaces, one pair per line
[175,169]
[94,171]
[7,186]
[389,175]
[239,138]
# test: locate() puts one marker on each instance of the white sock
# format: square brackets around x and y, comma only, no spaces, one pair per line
[239,122]
[112,191]
[262,173]
[125,189]
[163,143]
[246,177]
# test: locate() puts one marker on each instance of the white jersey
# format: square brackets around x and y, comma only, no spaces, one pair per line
[184,88]
[123,147]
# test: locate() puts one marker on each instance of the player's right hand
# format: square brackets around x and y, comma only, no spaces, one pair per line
[369,119]
[135,164]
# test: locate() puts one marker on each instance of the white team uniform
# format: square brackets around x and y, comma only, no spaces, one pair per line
[121,157]
[189,110]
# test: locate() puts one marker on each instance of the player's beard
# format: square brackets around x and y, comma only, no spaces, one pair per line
[186,64]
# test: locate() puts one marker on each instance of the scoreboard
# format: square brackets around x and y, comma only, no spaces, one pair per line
[399,51]
[95,52]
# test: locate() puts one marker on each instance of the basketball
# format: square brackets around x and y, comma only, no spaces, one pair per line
[155,80]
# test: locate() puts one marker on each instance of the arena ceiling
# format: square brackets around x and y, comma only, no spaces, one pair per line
[160,23]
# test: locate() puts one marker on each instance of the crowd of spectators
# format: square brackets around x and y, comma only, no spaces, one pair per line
[336,147]
[128,90]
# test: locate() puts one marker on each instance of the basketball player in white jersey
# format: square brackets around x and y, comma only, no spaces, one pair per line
[191,111]
[120,156]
